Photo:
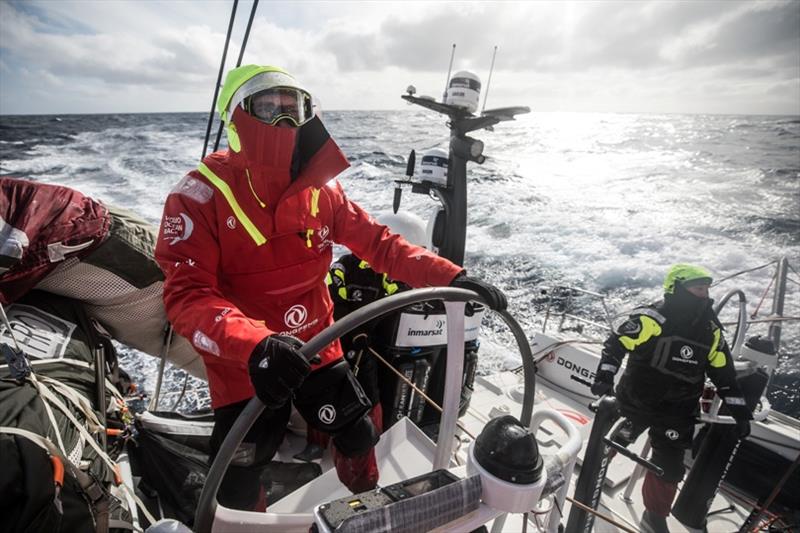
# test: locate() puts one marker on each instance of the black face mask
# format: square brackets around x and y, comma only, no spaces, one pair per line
[684,307]
[311,137]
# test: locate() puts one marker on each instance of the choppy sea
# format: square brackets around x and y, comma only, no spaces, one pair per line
[605,202]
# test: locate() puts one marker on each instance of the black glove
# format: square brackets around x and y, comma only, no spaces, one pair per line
[743,428]
[277,368]
[603,383]
[493,296]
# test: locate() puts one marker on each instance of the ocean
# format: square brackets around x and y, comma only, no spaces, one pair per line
[605,202]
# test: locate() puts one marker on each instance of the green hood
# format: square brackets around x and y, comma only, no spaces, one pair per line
[238,77]
[684,273]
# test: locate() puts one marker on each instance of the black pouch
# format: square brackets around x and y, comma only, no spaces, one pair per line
[331,399]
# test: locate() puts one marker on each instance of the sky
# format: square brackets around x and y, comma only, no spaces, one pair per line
[115,56]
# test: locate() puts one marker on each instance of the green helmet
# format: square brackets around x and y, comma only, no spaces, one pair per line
[686,275]
[247,80]
[244,81]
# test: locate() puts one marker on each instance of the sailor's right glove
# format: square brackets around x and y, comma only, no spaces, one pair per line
[603,383]
[493,296]
[277,368]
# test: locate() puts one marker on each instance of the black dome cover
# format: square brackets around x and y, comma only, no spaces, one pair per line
[506,449]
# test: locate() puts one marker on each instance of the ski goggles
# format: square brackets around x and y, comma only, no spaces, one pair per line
[280,103]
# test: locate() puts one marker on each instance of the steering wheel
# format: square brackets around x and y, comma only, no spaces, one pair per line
[454,300]
[741,323]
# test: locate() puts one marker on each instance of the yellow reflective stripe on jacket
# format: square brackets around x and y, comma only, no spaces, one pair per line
[716,357]
[314,201]
[389,287]
[650,329]
[328,279]
[342,292]
[309,233]
[226,191]
[363,265]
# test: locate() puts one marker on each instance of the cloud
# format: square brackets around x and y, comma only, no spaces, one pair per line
[580,55]
[566,36]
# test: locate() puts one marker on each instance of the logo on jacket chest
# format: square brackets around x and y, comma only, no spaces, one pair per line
[686,354]
[295,319]
[295,316]
[325,242]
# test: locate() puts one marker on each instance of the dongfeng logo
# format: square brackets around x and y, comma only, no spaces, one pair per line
[686,352]
[671,434]
[231,222]
[295,316]
[327,414]
[323,233]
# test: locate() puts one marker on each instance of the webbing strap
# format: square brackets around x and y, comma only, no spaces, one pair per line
[226,191]
[49,412]
[49,396]
[43,442]
[48,446]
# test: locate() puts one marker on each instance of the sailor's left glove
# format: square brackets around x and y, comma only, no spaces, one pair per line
[493,296]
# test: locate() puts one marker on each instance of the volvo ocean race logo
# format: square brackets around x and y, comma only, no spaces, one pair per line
[176,229]
[231,222]
[327,414]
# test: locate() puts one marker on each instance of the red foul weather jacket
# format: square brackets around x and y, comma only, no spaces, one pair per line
[245,251]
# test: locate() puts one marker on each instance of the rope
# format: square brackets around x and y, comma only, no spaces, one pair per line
[49,412]
[48,446]
[600,515]
[743,272]
[416,389]
[763,320]
[763,296]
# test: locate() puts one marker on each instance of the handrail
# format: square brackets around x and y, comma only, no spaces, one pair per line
[208,504]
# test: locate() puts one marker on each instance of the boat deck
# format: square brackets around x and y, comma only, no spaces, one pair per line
[502,392]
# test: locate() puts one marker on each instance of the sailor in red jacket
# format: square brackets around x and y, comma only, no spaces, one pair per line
[245,244]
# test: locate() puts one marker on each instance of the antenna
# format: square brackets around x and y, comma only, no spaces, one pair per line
[489,81]
[449,69]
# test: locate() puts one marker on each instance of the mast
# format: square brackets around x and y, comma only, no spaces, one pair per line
[452,228]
